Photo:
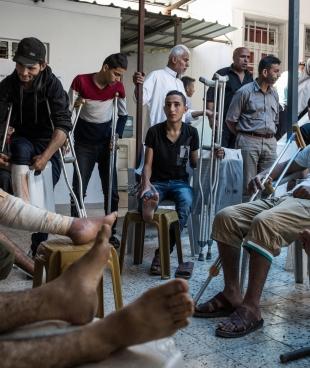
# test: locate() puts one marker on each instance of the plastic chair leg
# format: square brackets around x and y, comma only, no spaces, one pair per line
[139,243]
[164,250]
[123,242]
[116,280]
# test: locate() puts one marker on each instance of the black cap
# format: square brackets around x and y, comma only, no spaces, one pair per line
[30,51]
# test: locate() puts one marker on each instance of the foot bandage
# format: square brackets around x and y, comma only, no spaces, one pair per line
[20,215]
[20,182]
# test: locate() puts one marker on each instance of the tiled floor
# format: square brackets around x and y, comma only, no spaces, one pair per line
[285,306]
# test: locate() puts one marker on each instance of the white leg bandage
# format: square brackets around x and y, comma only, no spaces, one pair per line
[20,182]
[20,215]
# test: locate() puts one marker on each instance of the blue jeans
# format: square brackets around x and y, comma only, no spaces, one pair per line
[181,194]
[22,152]
[87,156]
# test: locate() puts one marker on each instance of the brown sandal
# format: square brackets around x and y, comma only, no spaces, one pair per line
[218,306]
[243,321]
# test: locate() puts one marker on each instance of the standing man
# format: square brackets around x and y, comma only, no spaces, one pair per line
[159,82]
[92,135]
[253,116]
[189,86]
[35,141]
[238,76]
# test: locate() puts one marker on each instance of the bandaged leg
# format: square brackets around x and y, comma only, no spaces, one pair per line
[20,215]
[20,182]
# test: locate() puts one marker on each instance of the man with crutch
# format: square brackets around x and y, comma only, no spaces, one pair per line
[28,90]
[262,227]
[93,130]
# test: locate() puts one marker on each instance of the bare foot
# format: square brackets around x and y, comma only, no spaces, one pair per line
[305,239]
[83,230]
[158,313]
[74,293]
[149,206]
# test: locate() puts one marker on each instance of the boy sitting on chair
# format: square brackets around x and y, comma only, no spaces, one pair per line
[169,146]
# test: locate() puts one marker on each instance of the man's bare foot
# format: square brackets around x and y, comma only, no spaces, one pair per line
[74,293]
[149,205]
[158,313]
[84,230]
[305,239]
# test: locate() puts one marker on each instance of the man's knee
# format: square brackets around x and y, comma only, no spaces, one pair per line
[22,152]
[223,219]
[6,261]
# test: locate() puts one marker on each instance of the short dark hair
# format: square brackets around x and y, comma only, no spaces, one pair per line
[177,93]
[266,63]
[118,60]
[187,81]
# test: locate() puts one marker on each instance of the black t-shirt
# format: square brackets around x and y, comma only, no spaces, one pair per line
[170,159]
[232,85]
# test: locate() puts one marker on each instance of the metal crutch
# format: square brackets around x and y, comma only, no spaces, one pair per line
[216,266]
[214,178]
[207,210]
[114,138]
[79,206]
[7,124]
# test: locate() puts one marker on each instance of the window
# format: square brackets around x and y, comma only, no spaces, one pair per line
[8,48]
[307,43]
[262,39]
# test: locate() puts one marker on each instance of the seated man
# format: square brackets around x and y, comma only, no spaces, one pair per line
[169,146]
[262,227]
[72,297]
[35,140]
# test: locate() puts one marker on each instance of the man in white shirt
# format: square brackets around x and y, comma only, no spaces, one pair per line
[159,82]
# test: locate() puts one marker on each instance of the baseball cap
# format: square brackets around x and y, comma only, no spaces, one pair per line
[30,51]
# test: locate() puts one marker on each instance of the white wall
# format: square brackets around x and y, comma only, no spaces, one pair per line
[80,37]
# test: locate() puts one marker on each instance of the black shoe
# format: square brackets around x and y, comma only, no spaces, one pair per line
[115,242]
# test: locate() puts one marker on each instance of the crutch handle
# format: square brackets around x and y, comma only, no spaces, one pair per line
[78,102]
[299,138]
[268,188]
[214,270]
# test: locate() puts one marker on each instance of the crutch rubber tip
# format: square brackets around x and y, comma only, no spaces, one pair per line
[201,257]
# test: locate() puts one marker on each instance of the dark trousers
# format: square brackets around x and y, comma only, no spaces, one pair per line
[6,181]
[7,259]
[87,156]
[22,152]
[228,138]
[283,121]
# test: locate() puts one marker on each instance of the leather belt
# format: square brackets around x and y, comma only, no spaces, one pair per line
[253,134]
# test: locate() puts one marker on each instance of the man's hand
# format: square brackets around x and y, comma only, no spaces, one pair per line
[4,160]
[38,163]
[145,186]
[138,78]
[79,101]
[305,239]
[302,192]
[256,183]
[219,152]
